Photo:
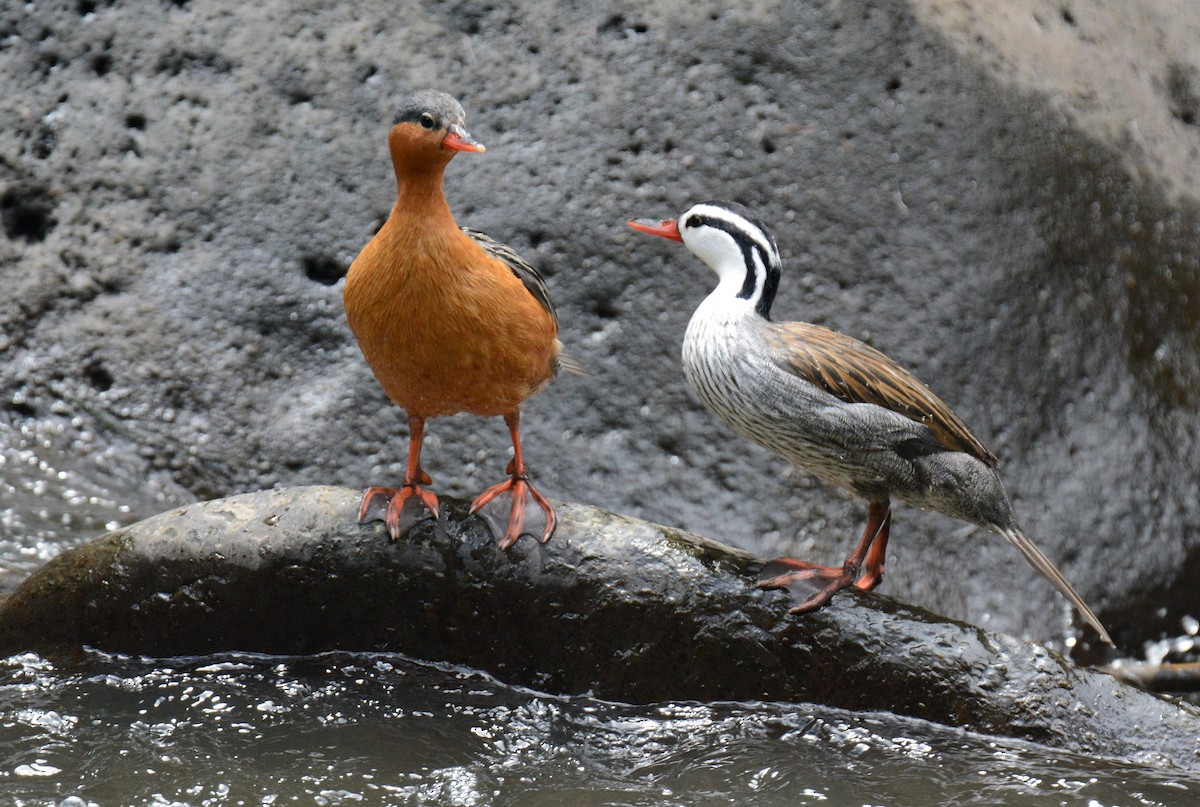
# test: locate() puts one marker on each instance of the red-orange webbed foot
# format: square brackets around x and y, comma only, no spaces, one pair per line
[404,507]
[400,509]
[811,585]
[506,509]
[814,586]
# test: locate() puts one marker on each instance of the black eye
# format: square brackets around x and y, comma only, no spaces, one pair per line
[692,221]
[427,121]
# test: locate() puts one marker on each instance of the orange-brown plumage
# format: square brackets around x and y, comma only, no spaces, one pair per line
[445,327]
[448,320]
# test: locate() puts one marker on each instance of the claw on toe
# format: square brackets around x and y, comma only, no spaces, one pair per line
[400,509]
[813,586]
[509,523]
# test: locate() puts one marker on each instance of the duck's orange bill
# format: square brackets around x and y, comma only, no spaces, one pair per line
[669,228]
[459,139]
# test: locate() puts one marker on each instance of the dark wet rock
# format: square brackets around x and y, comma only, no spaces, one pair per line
[615,607]
[1002,197]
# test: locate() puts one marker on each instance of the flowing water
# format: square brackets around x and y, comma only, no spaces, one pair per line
[349,729]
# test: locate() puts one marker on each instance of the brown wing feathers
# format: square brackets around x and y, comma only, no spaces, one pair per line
[529,276]
[857,373]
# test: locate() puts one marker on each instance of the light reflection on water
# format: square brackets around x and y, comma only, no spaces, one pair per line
[349,729]
[342,729]
[61,484]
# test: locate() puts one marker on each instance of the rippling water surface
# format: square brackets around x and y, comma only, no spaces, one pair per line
[348,729]
[370,729]
[60,485]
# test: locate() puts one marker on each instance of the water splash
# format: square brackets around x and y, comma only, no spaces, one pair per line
[341,729]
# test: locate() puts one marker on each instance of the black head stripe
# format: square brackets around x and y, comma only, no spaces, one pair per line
[751,247]
[770,287]
[411,114]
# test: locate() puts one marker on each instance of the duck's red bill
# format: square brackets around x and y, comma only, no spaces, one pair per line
[460,140]
[668,228]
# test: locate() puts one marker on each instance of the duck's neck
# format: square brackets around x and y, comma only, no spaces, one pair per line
[419,196]
[419,170]
[724,305]
[752,280]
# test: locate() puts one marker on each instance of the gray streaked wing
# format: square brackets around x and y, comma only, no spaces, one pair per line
[858,373]
[529,276]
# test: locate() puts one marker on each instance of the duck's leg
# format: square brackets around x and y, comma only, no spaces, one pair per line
[813,585]
[873,575]
[509,524]
[404,507]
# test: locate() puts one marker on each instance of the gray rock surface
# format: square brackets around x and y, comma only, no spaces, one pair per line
[614,607]
[1002,197]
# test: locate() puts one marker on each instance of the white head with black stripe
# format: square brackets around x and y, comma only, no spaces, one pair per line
[731,240]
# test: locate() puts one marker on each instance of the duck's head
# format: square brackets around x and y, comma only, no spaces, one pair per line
[732,241]
[429,129]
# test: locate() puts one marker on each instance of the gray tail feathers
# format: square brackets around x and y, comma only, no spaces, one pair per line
[572,365]
[1049,571]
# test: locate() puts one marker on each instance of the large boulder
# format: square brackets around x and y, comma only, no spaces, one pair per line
[1001,196]
[614,607]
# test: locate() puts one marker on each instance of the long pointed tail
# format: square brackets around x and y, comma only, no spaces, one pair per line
[1049,571]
